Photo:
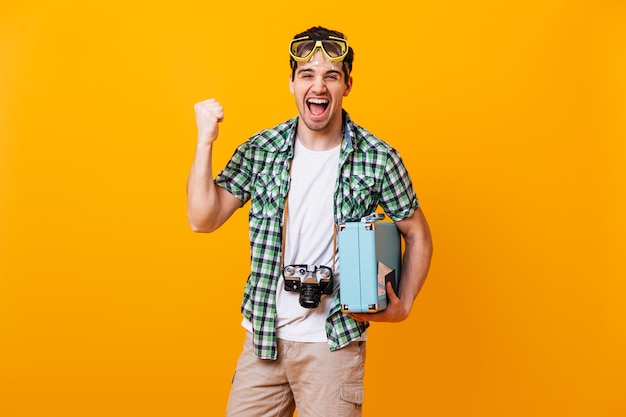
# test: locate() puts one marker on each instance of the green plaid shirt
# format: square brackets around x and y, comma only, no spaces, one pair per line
[371,173]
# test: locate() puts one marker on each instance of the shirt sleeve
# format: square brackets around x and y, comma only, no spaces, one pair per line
[398,197]
[237,174]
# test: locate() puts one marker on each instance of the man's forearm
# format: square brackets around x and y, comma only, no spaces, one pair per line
[415,268]
[202,198]
[416,261]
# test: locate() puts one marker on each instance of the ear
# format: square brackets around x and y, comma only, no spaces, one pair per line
[290,84]
[348,87]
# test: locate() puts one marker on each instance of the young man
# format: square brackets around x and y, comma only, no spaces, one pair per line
[302,178]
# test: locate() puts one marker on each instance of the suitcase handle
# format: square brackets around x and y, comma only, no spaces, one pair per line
[373,217]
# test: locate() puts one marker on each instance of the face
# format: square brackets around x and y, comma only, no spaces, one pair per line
[319,87]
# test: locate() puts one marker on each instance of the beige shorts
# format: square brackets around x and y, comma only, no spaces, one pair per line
[306,376]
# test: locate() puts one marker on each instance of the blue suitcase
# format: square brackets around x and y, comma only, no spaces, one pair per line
[370,254]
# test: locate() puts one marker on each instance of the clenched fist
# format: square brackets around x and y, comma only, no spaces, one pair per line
[208,114]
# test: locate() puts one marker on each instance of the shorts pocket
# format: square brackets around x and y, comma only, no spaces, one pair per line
[352,399]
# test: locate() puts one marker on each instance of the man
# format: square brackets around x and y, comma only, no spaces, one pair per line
[302,178]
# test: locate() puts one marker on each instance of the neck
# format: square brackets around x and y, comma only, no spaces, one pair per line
[322,140]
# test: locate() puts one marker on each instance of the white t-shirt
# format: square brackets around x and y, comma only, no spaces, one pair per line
[310,227]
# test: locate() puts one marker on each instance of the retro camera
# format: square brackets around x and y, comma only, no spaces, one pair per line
[310,281]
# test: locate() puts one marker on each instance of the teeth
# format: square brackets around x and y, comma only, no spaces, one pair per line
[318,101]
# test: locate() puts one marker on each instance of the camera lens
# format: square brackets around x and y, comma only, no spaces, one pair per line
[323,272]
[310,297]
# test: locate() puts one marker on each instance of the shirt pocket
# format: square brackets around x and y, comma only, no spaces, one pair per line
[362,197]
[265,196]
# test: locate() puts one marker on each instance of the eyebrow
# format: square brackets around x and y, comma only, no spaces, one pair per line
[307,70]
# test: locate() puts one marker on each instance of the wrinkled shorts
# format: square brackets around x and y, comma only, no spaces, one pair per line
[305,376]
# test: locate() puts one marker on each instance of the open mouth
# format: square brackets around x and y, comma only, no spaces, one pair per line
[317,106]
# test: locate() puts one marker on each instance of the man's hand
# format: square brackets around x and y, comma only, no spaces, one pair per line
[394,312]
[208,114]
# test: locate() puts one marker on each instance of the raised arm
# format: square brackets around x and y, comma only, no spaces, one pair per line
[208,205]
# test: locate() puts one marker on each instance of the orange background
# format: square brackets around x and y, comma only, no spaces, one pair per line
[511,117]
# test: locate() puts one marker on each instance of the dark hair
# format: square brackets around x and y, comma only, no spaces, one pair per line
[319,31]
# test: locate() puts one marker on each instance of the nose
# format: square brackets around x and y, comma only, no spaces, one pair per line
[319,85]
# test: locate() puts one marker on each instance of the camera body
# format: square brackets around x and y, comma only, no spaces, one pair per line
[310,281]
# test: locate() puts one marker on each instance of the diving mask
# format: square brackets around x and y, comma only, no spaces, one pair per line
[302,49]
